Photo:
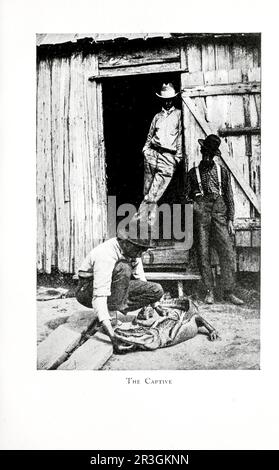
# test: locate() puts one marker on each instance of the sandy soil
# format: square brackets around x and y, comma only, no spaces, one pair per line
[239,347]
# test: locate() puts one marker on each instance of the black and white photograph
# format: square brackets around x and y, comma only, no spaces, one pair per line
[138,274]
[148,201]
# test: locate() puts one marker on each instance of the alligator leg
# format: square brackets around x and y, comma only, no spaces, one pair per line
[211,331]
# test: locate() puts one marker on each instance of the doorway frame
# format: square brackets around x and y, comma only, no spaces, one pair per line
[178,65]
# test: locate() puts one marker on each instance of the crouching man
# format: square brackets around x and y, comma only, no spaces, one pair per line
[111,279]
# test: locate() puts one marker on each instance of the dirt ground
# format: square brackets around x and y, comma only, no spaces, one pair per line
[239,347]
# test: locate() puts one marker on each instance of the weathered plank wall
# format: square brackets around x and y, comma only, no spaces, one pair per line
[71,179]
[221,64]
[213,64]
[71,185]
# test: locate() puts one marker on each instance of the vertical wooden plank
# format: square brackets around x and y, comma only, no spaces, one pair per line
[256,164]
[94,154]
[90,143]
[94,159]
[189,126]
[64,100]
[73,170]
[256,238]
[78,162]
[254,108]
[192,131]
[235,75]
[253,105]
[194,55]
[248,51]
[223,57]
[239,57]
[192,79]
[249,259]
[49,184]
[83,224]
[184,56]
[237,149]
[94,149]
[82,172]
[236,145]
[217,106]
[40,174]
[82,183]
[60,160]
[57,149]
[256,56]
[86,168]
[66,149]
[254,74]
[101,159]
[184,65]
[248,145]
[243,238]
[62,165]
[208,57]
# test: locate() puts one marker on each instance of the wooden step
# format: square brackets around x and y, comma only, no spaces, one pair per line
[171,276]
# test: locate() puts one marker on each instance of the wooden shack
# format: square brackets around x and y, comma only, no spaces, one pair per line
[95,102]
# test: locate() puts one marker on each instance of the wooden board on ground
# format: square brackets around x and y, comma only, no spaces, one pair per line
[92,355]
[81,321]
[49,293]
[56,347]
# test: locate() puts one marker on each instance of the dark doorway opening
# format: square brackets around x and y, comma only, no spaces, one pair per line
[129,105]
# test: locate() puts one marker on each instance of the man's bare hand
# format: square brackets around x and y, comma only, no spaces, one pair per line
[159,309]
[231,227]
[214,335]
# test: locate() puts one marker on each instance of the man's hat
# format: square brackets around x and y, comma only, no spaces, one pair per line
[167,91]
[137,233]
[211,143]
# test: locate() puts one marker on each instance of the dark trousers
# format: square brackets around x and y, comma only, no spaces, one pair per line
[126,294]
[210,229]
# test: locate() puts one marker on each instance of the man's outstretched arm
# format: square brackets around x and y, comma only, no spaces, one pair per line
[100,307]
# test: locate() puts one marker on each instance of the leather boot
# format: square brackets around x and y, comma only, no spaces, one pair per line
[209,298]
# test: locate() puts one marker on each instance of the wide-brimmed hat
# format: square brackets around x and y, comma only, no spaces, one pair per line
[167,91]
[211,143]
[137,235]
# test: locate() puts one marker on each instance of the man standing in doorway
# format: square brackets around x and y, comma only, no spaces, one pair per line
[209,187]
[163,147]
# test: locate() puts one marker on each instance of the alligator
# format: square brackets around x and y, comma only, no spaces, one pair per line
[177,322]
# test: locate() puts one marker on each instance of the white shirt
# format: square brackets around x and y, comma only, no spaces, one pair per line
[101,261]
[166,131]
